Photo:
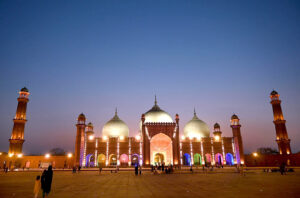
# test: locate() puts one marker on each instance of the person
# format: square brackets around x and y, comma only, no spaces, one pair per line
[37,186]
[191,169]
[136,169]
[100,170]
[140,169]
[74,169]
[46,181]
[282,168]
[163,166]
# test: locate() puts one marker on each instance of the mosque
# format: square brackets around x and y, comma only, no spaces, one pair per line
[158,142]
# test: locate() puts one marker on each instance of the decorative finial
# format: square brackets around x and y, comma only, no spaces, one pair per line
[116,112]
[194,111]
[155,102]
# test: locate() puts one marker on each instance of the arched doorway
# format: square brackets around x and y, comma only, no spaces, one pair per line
[161,144]
[197,159]
[186,159]
[135,159]
[158,159]
[101,160]
[124,160]
[229,159]
[112,160]
[89,160]
[219,159]
[207,159]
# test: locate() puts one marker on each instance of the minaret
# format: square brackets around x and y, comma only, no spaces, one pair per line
[217,132]
[282,138]
[90,131]
[237,139]
[79,143]
[17,137]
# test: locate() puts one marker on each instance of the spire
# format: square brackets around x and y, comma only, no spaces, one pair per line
[195,115]
[116,117]
[155,102]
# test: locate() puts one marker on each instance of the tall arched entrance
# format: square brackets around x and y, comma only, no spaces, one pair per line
[161,150]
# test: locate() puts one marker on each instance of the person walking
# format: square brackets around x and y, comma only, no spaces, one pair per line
[140,170]
[46,181]
[37,186]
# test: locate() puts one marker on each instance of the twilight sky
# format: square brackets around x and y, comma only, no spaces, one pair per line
[219,57]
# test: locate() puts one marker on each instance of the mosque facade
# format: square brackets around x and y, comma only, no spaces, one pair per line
[159,142]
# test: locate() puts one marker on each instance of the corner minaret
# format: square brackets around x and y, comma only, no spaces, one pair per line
[217,132]
[17,137]
[79,144]
[237,139]
[282,138]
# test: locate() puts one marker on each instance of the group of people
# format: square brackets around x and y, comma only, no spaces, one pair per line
[137,169]
[161,167]
[74,169]
[43,182]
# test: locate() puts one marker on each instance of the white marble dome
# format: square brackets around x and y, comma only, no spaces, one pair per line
[196,128]
[115,127]
[155,114]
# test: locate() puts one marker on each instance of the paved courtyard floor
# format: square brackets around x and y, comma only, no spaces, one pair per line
[89,184]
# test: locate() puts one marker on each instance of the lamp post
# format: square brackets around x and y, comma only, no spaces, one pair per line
[69,156]
[255,155]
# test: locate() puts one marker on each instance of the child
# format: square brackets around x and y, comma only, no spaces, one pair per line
[37,186]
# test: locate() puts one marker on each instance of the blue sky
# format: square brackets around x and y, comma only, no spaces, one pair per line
[221,57]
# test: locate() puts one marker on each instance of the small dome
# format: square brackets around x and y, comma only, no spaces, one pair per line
[81,117]
[155,114]
[216,126]
[234,117]
[274,92]
[24,89]
[115,128]
[196,128]
[90,124]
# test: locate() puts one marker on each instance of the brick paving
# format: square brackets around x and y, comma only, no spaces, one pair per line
[89,184]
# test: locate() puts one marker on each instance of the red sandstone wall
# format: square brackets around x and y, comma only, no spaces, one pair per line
[35,161]
[272,160]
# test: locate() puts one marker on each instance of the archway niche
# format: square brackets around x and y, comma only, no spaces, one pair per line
[229,159]
[219,159]
[124,160]
[161,144]
[101,160]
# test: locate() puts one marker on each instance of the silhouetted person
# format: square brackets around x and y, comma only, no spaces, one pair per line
[46,181]
[282,168]
[74,169]
[136,169]
[163,166]
[140,169]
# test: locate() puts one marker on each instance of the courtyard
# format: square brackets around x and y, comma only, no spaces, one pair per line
[217,183]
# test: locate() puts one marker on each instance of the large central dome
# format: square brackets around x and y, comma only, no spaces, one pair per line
[115,127]
[196,128]
[155,114]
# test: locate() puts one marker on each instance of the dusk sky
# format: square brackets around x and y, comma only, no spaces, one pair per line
[221,57]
